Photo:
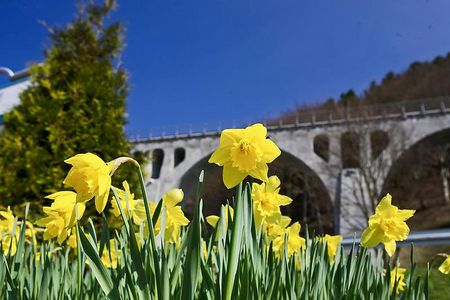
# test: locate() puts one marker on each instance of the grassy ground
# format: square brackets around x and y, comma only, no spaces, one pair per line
[439,288]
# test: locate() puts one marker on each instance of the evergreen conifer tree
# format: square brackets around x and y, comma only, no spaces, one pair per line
[75,104]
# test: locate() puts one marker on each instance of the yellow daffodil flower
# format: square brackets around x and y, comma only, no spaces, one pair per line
[445,266]
[277,226]
[111,257]
[90,177]
[333,242]
[244,152]
[387,226]
[212,220]
[277,231]
[294,241]
[267,199]
[55,226]
[8,237]
[134,209]
[61,215]
[398,275]
[7,223]
[175,218]
[9,243]
[65,203]
[30,233]
[6,228]
[72,240]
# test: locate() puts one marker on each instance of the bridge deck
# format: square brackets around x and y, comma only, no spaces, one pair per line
[319,118]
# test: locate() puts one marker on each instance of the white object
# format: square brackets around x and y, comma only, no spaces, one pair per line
[9,94]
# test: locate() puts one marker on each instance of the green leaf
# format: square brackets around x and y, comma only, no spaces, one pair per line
[97,267]
[193,254]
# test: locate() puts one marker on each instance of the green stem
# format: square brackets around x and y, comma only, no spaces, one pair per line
[193,253]
[147,209]
[79,265]
[122,213]
[153,250]
[236,235]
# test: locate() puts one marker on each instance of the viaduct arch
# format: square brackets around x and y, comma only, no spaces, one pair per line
[311,204]
[420,179]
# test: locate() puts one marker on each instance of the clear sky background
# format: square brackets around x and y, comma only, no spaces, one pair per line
[199,61]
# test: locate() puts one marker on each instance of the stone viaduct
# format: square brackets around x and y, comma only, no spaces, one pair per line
[318,145]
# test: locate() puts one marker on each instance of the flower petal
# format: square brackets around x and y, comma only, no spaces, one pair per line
[212,220]
[270,151]
[384,205]
[85,159]
[273,184]
[101,201]
[372,236]
[284,200]
[232,176]
[176,216]
[62,236]
[256,131]
[405,214]
[221,156]
[173,197]
[64,194]
[104,184]
[390,247]
[230,136]
[260,172]
[399,232]
[445,266]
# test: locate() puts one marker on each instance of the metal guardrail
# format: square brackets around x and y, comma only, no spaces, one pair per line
[418,238]
[14,75]
[337,116]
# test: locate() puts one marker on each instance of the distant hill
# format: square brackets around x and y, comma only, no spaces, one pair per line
[420,80]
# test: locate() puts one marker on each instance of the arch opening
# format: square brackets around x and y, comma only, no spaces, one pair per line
[420,179]
[157,161]
[179,156]
[350,150]
[311,203]
[379,140]
[321,146]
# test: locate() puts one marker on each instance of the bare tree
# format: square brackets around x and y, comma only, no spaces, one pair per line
[367,151]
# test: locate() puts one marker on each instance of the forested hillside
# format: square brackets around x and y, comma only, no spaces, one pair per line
[420,80]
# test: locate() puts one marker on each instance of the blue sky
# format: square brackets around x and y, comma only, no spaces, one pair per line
[199,61]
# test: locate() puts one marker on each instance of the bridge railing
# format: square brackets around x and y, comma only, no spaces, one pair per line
[435,237]
[375,111]
[403,109]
